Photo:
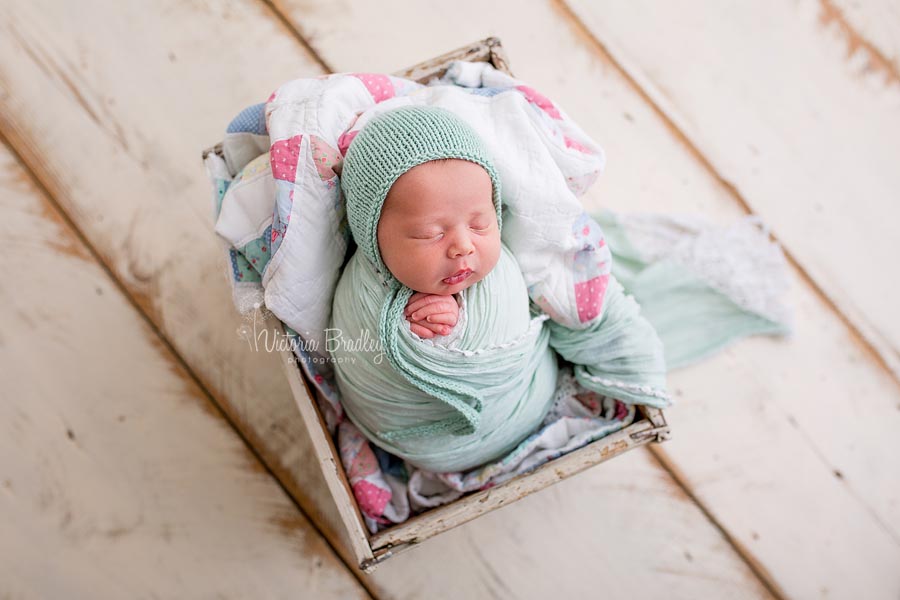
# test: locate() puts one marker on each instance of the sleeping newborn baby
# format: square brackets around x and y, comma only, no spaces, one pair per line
[463,370]
[438,234]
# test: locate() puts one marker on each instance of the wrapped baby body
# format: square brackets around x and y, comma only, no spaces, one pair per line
[498,350]
[470,381]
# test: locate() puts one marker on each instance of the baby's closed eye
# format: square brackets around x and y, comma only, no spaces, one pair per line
[431,234]
[427,236]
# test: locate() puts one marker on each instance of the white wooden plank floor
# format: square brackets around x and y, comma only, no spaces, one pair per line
[805,131]
[119,478]
[781,480]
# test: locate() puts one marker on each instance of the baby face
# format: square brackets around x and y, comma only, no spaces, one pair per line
[438,230]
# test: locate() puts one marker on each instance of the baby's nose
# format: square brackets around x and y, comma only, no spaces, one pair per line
[461,246]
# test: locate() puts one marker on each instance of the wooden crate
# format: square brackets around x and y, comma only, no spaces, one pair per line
[371,549]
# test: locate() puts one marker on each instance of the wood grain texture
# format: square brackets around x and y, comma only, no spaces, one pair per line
[112,118]
[788,444]
[619,530]
[807,132]
[868,27]
[127,128]
[103,118]
[118,479]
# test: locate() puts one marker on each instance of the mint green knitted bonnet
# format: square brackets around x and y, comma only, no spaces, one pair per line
[388,146]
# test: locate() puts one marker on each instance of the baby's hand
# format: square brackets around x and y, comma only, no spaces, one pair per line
[431,314]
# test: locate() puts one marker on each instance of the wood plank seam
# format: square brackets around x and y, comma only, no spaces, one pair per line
[279,15]
[871,346]
[831,14]
[817,451]
[755,566]
[883,355]
[7,137]
[143,306]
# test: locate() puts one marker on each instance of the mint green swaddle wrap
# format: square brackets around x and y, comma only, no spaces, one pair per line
[456,403]
[498,350]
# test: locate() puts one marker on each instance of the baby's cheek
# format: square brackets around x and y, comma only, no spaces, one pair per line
[492,253]
[395,256]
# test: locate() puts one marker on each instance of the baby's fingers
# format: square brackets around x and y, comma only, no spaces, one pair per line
[438,328]
[445,318]
[420,331]
[422,302]
[434,308]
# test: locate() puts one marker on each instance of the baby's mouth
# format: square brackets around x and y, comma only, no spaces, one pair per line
[457,277]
